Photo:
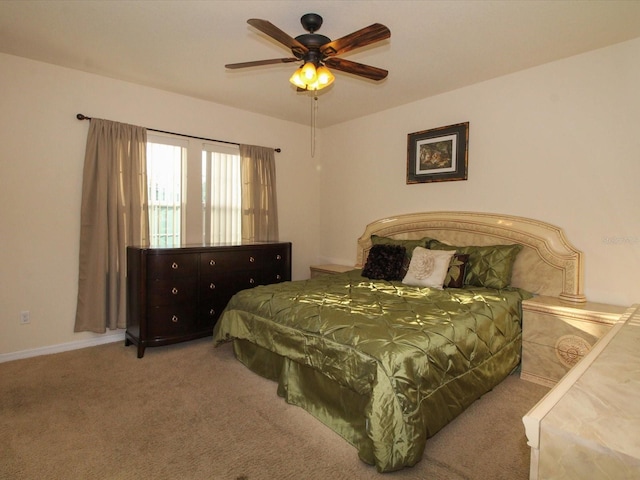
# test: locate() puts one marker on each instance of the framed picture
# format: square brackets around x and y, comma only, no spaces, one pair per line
[438,155]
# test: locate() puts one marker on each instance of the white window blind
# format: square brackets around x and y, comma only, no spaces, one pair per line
[222,194]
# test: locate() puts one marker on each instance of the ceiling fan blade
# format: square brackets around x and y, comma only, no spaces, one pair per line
[360,38]
[274,32]
[258,63]
[360,69]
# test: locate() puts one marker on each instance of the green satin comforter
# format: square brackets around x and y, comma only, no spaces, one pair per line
[383,364]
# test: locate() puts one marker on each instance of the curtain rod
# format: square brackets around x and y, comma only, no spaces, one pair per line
[80,116]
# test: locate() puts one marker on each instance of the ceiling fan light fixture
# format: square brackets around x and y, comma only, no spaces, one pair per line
[309,74]
[325,77]
[322,77]
[297,79]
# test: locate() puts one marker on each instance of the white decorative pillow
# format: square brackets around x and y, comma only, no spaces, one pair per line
[428,268]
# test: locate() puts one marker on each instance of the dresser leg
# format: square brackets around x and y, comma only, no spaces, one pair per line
[140,350]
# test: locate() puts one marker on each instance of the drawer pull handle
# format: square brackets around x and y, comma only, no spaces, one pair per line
[252,281]
[174,319]
[212,312]
[212,262]
[174,265]
[278,257]
[212,286]
[174,290]
[278,277]
[251,259]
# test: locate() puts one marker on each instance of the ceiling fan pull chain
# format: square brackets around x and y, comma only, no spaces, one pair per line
[314,115]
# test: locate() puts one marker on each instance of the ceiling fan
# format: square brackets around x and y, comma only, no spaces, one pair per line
[317,52]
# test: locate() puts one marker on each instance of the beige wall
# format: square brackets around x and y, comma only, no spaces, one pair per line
[559,143]
[41,157]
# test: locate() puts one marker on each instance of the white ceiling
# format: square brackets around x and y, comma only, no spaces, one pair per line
[435,46]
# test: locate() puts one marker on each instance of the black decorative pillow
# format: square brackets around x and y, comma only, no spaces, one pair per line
[409,245]
[384,262]
[457,270]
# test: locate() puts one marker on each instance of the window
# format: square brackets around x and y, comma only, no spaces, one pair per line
[185,172]
[165,190]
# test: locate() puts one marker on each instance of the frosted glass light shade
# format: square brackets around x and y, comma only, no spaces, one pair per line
[308,77]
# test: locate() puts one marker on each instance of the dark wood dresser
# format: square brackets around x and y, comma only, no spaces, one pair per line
[178,294]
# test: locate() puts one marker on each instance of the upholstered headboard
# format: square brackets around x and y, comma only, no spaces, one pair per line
[547,265]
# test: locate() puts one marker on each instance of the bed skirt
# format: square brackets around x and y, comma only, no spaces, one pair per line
[345,411]
[338,407]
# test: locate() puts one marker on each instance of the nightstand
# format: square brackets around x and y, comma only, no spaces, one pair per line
[556,335]
[318,270]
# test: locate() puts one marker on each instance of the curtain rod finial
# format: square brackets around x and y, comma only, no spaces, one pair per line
[82,117]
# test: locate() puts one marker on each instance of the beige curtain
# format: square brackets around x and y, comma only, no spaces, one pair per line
[113,215]
[259,205]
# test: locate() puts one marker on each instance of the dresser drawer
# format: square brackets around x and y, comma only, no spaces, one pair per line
[232,281]
[166,291]
[274,276]
[172,265]
[229,260]
[211,309]
[167,321]
[276,258]
[244,259]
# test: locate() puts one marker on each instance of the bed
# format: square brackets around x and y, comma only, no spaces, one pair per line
[389,353]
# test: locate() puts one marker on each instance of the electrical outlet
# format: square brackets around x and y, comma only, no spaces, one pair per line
[25,317]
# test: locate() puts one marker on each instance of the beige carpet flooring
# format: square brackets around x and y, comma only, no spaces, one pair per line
[191,411]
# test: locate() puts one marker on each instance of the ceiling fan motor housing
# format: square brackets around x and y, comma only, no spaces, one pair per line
[313,42]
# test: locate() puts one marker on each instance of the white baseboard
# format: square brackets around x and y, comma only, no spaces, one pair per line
[63,347]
